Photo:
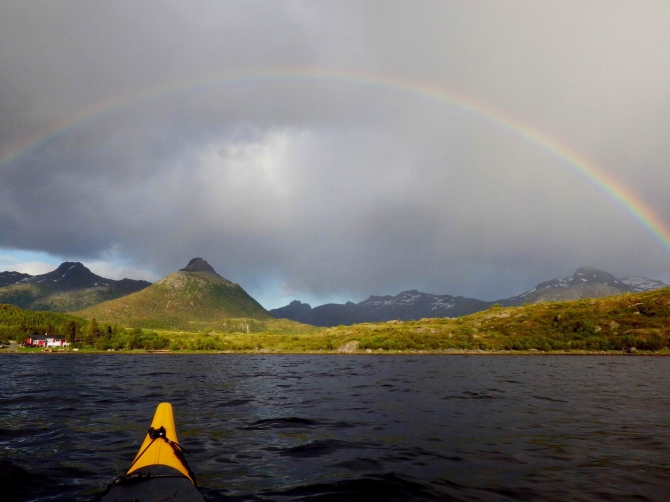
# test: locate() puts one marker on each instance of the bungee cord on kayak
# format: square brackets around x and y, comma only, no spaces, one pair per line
[160,470]
[178,451]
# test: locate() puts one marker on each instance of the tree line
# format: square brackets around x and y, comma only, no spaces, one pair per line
[18,324]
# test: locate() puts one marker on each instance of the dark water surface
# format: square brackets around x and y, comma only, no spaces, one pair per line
[344,427]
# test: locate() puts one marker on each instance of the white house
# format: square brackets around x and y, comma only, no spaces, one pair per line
[57,341]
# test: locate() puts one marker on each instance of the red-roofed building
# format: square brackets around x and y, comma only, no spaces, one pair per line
[46,341]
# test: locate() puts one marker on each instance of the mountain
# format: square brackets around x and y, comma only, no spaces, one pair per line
[7,278]
[630,322]
[585,282]
[296,310]
[404,306]
[71,286]
[193,298]
[642,284]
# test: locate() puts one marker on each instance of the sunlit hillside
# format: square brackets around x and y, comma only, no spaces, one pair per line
[182,300]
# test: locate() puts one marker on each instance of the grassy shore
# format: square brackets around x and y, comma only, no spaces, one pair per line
[380,352]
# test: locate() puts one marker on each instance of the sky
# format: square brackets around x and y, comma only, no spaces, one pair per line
[329,151]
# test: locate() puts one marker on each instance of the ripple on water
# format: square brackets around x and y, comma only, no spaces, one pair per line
[345,428]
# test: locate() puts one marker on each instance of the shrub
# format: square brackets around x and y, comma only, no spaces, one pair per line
[654,342]
[101,344]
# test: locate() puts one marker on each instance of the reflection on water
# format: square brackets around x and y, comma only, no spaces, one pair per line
[344,427]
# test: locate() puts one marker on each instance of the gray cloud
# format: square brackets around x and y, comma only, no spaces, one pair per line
[331,188]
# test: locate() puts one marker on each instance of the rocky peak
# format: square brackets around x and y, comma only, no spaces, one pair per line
[68,276]
[589,274]
[583,275]
[198,265]
[71,268]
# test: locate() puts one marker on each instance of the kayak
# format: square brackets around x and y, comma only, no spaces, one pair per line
[159,470]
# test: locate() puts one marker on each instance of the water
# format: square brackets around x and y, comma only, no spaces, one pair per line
[344,427]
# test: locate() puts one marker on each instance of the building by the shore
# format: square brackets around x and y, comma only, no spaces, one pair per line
[46,341]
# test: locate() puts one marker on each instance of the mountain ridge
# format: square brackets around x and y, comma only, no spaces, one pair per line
[71,286]
[585,282]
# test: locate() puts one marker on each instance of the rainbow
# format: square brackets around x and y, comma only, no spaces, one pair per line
[607,184]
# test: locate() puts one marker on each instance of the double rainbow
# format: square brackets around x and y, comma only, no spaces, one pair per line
[607,184]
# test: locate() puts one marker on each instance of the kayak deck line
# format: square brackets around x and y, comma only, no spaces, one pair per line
[159,470]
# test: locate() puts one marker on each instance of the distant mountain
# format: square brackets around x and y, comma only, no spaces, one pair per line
[194,298]
[404,306]
[586,282]
[296,310]
[7,278]
[71,286]
[641,284]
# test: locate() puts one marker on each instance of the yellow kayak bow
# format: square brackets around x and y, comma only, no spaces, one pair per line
[159,471]
[160,446]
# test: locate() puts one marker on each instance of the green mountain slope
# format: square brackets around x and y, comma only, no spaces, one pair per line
[630,322]
[622,322]
[193,298]
[70,287]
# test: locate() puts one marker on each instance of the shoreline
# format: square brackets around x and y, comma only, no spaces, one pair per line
[447,352]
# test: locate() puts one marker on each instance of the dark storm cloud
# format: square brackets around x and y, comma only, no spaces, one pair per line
[329,187]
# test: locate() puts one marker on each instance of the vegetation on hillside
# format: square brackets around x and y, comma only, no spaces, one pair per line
[20,295]
[18,324]
[640,321]
[34,297]
[70,287]
[631,321]
[189,301]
